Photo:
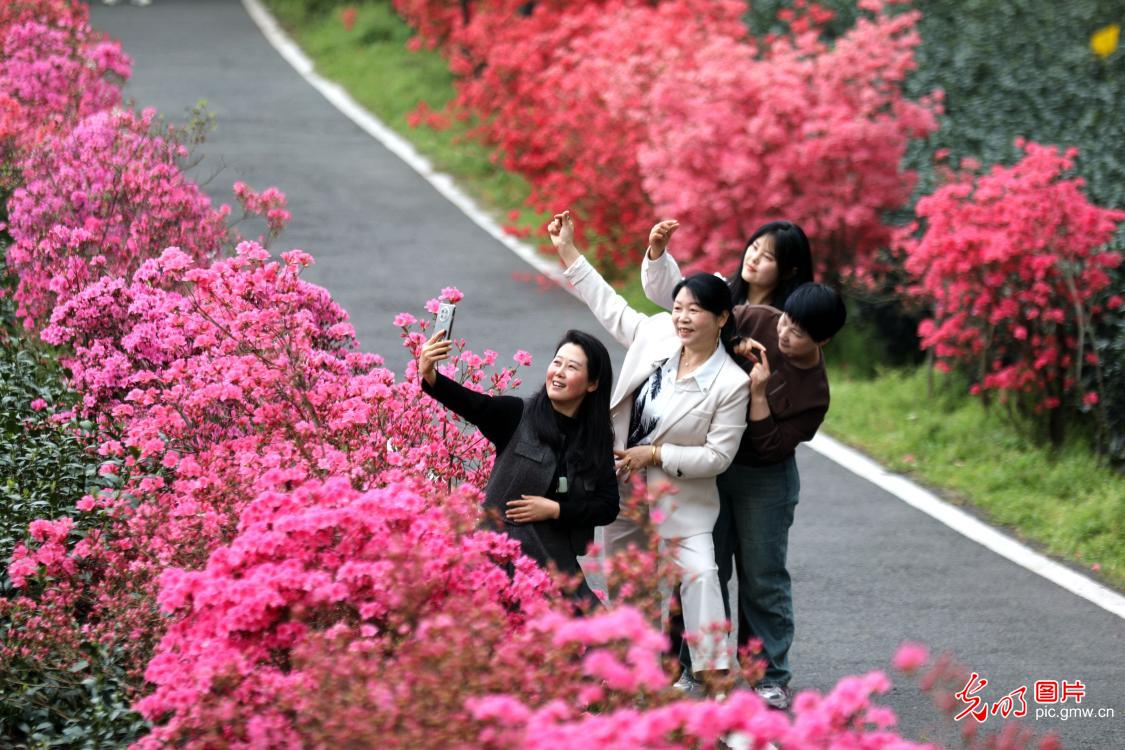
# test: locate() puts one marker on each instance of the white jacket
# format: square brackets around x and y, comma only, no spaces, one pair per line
[698,436]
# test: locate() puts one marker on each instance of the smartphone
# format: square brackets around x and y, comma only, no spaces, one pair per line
[444,321]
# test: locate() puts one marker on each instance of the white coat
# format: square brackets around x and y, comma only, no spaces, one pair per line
[698,436]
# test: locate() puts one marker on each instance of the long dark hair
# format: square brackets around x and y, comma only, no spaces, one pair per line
[713,295]
[595,427]
[794,262]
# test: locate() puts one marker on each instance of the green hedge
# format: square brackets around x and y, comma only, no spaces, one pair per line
[82,699]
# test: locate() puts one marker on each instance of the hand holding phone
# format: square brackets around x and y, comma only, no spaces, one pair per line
[436,349]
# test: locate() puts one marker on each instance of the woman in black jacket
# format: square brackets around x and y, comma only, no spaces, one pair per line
[553,480]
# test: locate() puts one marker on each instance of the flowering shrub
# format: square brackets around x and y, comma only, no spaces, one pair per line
[98,200]
[562,95]
[789,127]
[210,385]
[391,570]
[1010,261]
[623,110]
[54,70]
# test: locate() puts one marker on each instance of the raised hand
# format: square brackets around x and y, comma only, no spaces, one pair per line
[433,351]
[659,235]
[561,231]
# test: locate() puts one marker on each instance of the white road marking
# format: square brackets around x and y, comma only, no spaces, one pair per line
[967,525]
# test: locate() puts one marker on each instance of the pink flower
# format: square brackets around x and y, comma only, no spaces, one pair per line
[20,569]
[910,657]
[404,320]
[522,358]
[452,294]
[38,404]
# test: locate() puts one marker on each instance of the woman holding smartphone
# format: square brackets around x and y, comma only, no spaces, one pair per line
[788,401]
[679,410]
[554,479]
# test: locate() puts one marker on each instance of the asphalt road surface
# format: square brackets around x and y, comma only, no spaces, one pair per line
[868,571]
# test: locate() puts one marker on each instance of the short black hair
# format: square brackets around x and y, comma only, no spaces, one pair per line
[817,308]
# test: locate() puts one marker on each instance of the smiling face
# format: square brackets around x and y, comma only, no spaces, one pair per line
[759,265]
[697,329]
[795,343]
[568,379]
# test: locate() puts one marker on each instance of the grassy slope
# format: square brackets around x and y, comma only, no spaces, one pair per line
[1066,503]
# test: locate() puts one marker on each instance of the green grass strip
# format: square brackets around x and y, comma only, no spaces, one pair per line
[1066,503]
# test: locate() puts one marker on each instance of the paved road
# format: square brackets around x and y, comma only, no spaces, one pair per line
[869,572]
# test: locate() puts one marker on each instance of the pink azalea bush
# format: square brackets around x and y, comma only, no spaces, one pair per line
[100,199]
[54,70]
[211,385]
[390,570]
[1011,262]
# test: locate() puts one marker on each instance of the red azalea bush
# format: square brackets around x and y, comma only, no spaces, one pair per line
[563,95]
[788,127]
[1011,261]
[623,110]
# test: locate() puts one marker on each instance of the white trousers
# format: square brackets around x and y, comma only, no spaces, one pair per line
[705,620]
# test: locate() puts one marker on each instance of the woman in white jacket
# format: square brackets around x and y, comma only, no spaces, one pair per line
[679,410]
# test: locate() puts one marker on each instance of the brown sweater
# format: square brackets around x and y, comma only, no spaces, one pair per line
[798,398]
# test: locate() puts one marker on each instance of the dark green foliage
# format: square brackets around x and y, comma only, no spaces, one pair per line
[1025,67]
[45,469]
[1109,343]
[82,705]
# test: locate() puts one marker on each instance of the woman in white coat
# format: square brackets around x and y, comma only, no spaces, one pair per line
[679,411]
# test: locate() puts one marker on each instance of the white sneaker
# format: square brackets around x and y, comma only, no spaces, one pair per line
[775,696]
[688,685]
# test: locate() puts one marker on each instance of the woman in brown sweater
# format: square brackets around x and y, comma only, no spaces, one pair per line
[788,400]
